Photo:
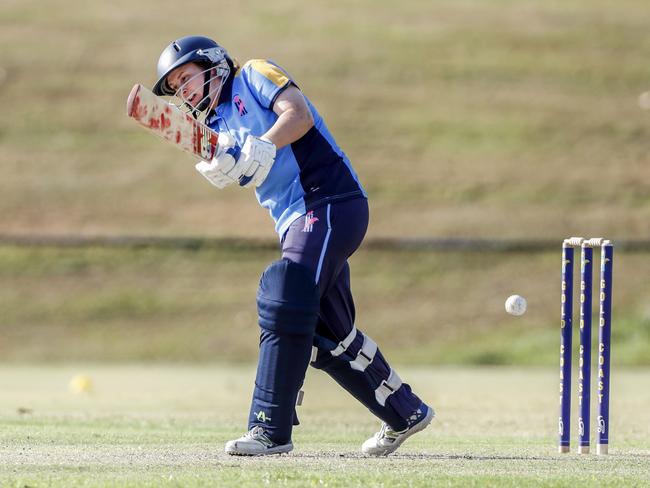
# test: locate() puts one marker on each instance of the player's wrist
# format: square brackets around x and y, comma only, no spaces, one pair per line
[267,139]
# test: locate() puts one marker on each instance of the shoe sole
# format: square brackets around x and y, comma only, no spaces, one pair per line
[284,448]
[420,426]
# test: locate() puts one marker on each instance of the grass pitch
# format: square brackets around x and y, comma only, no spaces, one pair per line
[165,425]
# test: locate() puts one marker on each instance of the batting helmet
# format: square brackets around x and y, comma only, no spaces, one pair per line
[189,49]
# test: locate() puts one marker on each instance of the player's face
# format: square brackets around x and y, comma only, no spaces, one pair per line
[188,81]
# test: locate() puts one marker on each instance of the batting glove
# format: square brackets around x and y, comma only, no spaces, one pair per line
[257,157]
[222,170]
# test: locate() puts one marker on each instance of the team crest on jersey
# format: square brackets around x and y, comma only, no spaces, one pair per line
[310,220]
[239,103]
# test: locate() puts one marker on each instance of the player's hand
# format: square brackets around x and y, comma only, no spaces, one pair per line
[222,170]
[248,166]
[256,159]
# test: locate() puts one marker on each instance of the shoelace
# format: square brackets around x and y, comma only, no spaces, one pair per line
[387,432]
[257,433]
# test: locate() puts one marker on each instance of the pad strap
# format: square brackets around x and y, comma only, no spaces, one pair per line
[345,343]
[366,354]
[388,387]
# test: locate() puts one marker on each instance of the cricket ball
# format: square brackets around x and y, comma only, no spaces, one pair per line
[516,305]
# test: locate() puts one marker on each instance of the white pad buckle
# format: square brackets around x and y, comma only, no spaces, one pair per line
[345,343]
[366,354]
[388,387]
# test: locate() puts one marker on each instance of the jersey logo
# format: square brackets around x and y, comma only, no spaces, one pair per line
[310,220]
[239,103]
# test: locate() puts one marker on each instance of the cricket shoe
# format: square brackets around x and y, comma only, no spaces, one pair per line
[388,440]
[255,442]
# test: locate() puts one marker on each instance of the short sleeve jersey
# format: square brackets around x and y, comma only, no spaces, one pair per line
[311,172]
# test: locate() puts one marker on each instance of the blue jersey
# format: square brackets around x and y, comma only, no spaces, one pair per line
[309,173]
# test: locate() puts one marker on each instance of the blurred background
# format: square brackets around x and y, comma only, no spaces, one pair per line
[466,119]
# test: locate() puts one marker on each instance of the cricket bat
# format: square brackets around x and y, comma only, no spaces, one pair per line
[169,122]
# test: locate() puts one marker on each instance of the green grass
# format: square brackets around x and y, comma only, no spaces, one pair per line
[463,118]
[115,304]
[165,425]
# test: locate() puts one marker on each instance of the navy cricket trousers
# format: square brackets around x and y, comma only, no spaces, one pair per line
[323,239]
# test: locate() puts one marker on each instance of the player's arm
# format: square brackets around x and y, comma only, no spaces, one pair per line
[251,165]
[294,118]
[258,153]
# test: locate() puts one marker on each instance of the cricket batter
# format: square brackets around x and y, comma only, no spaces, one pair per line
[274,141]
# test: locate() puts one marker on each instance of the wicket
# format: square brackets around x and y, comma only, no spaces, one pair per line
[604,342]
